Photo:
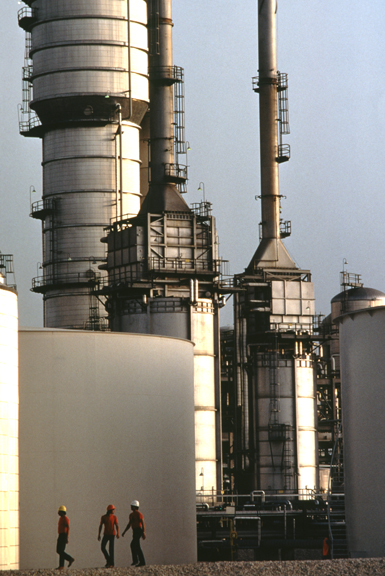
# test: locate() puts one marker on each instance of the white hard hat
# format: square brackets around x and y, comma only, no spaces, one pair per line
[135,503]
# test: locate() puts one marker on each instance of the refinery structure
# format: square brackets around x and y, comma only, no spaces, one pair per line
[237,432]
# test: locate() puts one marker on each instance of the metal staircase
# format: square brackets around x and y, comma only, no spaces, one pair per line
[337,526]
[336,502]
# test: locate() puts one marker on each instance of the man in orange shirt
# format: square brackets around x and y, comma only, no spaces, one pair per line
[109,521]
[136,521]
[62,540]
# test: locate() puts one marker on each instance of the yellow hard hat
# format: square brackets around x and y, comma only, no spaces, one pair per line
[62,509]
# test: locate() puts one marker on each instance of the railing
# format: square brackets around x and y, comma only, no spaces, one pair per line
[174,73]
[202,209]
[283,153]
[26,126]
[282,82]
[42,205]
[206,498]
[177,264]
[285,228]
[88,277]
[175,172]
[7,270]
[26,13]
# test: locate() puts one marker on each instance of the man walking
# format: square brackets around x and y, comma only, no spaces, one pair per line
[62,540]
[109,521]
[136,522]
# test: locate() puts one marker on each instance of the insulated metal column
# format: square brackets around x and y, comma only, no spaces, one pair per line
[89,75]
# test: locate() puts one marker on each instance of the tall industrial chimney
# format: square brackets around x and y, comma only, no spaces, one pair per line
[275,418]
[273,123]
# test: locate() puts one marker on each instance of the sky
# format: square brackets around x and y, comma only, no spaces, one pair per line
[334,55]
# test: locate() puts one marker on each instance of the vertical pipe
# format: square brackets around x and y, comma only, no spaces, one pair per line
[117,173]
[129,57]
[268,118]
[121,158]
[162,102]
[218,411]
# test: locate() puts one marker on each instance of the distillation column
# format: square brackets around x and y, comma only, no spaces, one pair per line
[89,88]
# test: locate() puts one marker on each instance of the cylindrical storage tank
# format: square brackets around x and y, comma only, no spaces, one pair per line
[349,301]
[9,430]
[362,342]
[106,418]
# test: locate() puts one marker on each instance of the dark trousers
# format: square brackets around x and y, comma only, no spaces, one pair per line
[137,554]
[109,556]
[60,549]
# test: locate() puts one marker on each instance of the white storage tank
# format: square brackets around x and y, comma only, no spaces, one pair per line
[362,343]
[106,418]
[9,414]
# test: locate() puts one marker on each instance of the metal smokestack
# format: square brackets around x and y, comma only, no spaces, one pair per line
[162,106]
[163,75]
[273,121]
[268,118]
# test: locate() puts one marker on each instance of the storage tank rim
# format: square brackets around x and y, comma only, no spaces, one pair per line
[8,288]
[369,310]
[101,333]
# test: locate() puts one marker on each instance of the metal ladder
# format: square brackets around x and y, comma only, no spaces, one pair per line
[283,117]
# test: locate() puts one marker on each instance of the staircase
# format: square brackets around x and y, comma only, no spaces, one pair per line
[336,501]
[337,526]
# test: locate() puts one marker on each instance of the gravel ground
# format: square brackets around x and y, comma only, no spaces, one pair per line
[356,567]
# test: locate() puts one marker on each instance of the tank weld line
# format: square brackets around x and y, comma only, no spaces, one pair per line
[77,43]
[82,157]
[70,17]
[86,95]
[79,68]
[57,195]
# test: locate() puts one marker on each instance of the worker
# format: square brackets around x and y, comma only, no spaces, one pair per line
[109,521]
[62,540]
[136,522]
[326,549]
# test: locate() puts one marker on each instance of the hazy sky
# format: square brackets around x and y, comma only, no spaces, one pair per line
[334,54]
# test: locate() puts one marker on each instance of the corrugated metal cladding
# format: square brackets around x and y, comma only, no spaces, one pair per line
[81,47]
[88,58]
